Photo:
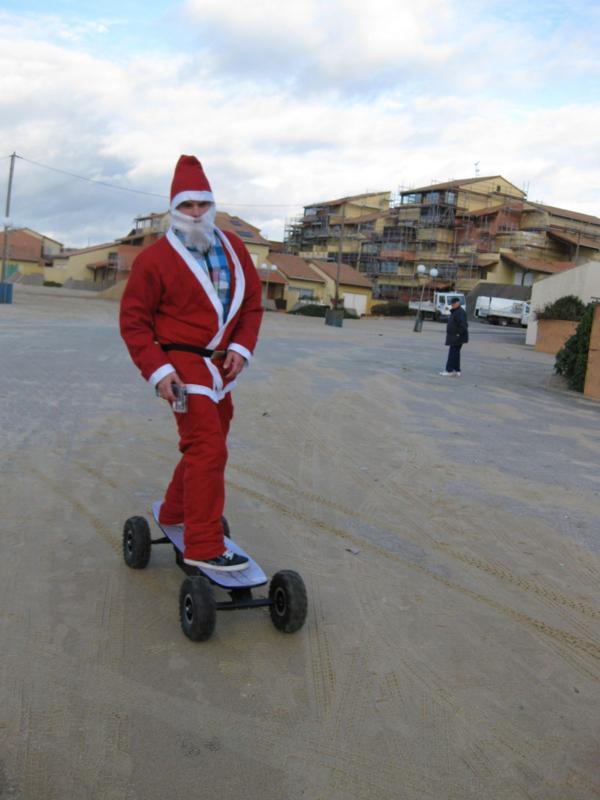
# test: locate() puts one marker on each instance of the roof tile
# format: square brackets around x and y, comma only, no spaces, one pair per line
[348,275]
[294,267]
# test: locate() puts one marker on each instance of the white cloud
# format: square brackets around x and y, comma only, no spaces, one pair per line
[51,27]
[374,117]
[341,43]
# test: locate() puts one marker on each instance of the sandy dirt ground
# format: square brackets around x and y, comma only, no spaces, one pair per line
[447,531]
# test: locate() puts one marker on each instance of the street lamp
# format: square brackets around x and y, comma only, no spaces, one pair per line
[266,268]
[421,272]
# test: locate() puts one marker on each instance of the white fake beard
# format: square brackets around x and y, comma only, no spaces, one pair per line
[198,232]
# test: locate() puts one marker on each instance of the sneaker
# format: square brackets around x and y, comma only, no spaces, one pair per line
[446,373]
[228,562]
[457,373]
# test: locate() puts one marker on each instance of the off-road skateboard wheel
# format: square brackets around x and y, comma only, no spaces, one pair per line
[197,609]
[287,594]
[137,542]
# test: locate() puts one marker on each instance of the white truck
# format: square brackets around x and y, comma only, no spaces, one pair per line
[502,311]
[439,307]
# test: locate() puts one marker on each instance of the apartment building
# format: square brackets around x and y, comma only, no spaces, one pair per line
[317,281]
[27,252]
[333,225]
[474,230]
[303,284]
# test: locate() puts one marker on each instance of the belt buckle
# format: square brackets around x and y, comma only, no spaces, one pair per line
[218,355]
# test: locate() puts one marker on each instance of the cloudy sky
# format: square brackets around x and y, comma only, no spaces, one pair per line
[290,103]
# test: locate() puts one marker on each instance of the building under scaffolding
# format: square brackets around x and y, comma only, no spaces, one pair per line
[471,230]
[335,226]
[425,226]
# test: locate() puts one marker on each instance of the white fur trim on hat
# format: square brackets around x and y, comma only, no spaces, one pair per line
[199,197]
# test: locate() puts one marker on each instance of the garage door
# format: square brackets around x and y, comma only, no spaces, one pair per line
[358,302]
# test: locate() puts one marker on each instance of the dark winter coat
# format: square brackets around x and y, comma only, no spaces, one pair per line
[457,328]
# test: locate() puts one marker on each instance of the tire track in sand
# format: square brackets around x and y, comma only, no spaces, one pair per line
[590,649]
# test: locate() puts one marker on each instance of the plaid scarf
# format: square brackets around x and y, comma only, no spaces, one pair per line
[215,264]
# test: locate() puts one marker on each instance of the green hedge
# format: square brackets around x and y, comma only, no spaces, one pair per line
[568,307]
[314,310]
[394,309]
[571,361]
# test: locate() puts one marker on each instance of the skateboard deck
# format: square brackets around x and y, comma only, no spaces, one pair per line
[240,579]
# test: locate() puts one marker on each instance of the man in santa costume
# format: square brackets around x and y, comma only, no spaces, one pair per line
[190,316]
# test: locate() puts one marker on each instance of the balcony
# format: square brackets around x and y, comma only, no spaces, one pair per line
[316,233]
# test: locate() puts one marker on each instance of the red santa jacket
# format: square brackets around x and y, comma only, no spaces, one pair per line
[169,299]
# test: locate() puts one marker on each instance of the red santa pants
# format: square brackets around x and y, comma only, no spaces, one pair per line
[196,493]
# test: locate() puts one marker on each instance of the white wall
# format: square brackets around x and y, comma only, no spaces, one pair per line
[582,281]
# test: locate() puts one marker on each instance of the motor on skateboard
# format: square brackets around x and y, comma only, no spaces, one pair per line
[198,607]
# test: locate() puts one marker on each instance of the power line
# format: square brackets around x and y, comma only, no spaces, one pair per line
[148,194]
[92,180]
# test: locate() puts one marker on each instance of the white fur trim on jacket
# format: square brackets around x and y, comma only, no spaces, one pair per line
[160,373]
[201,276]
[217,392]
[215,396]
[240,287]
[243,351]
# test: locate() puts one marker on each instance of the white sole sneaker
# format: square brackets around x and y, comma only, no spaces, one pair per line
[216,567]
[446,373]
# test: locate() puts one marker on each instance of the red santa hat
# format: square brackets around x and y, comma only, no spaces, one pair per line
[190,182]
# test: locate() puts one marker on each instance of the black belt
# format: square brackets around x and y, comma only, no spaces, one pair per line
[199,351]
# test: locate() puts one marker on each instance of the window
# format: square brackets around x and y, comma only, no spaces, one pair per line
[430,215]
[306,294]
[386,290]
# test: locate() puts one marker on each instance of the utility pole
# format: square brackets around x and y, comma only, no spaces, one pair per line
[333,316]
[339,259]
[6,289]
[6,215]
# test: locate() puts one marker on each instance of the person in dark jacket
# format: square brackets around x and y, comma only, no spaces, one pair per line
[457,334]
